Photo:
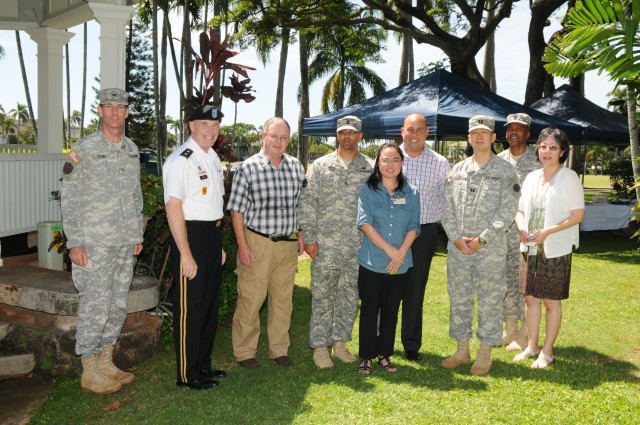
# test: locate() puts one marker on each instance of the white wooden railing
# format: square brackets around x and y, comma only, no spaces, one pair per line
[26,181]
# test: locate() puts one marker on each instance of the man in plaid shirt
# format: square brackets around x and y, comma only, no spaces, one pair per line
[264,206]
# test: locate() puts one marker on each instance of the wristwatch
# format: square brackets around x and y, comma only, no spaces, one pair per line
[481,241]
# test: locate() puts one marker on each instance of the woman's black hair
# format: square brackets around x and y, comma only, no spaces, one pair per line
[559,136]
[375,178]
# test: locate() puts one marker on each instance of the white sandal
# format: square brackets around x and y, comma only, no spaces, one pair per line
[526,354]
[543,361]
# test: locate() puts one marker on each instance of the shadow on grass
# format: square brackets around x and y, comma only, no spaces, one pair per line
[604,247]
[578,368]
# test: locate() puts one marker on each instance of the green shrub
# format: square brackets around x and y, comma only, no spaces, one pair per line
[621,175]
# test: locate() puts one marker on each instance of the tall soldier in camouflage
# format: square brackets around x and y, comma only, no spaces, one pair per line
[481,198]
[328,211]
[523,160]
[102,219]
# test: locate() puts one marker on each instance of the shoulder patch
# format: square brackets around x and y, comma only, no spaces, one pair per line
[67,168]
[187,153]
[516,188]
[304,183]
[74,156]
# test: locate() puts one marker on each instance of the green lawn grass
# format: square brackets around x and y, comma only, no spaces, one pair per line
[597,181]
[595,379]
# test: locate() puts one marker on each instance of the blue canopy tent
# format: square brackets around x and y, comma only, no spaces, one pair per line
[600,125]
[446,100]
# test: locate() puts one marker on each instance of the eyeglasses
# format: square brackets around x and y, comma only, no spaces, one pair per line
[394,161]
[274,137]
[549,148]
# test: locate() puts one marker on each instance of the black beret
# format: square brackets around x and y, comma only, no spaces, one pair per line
[207,112]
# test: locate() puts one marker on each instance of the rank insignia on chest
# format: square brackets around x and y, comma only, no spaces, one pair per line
[204,190]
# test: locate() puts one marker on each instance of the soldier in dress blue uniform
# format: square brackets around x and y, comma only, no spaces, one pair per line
[193,191]
[101,204]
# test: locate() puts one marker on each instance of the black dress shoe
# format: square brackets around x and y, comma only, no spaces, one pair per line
[199,384]
[213,373]
[412,355]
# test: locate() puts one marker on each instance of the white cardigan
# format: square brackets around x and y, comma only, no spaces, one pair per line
[565,193]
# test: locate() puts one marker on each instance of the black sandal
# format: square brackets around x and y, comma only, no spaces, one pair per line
[366,366]
[387,365]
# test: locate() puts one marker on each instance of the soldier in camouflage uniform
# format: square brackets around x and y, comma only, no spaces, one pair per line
[328,210]
[102,219]
[481,198]
[523,160]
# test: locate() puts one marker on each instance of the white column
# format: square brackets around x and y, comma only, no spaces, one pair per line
[50,43]
[113,20]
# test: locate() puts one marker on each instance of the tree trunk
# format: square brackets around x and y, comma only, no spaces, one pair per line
[489,67]
[574,150]
[538,78]
[412,65]
[162,98]
[303,141]
[282,69]
[633,136]
[217,81]
[406,41]
[84,80]
[186,36]
[127,68]
[25,82]
[155,58]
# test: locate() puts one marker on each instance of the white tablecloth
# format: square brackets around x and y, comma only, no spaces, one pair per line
[606,217]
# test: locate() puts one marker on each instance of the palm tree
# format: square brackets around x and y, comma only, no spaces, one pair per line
[603,35]
[20,113]
[341,54]
[9,125]
[25,81]
[84,79]
[598,154]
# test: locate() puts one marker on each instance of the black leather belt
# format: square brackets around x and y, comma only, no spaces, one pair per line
[273,238]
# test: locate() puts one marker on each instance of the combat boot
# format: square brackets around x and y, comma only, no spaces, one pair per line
[342,353]
[510,330]
[482,365]
[521,339]
[321,358]
[93,380]
[460,357]
[106,366]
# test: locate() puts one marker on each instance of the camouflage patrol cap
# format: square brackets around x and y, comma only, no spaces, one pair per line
[117,96]
[206,113]
[481,122]
[350,123]
[520,118]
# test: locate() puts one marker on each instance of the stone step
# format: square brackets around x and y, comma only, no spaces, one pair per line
[16,364]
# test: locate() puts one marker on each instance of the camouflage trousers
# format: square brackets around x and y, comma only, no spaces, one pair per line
[481,274]
[513,305]
[334,300]
[103,287]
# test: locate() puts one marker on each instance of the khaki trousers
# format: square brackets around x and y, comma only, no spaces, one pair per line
[272,273]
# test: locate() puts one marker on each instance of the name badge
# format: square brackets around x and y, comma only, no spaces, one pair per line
[399,201]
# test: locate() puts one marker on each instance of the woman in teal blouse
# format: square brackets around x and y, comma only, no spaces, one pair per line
[389,217]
